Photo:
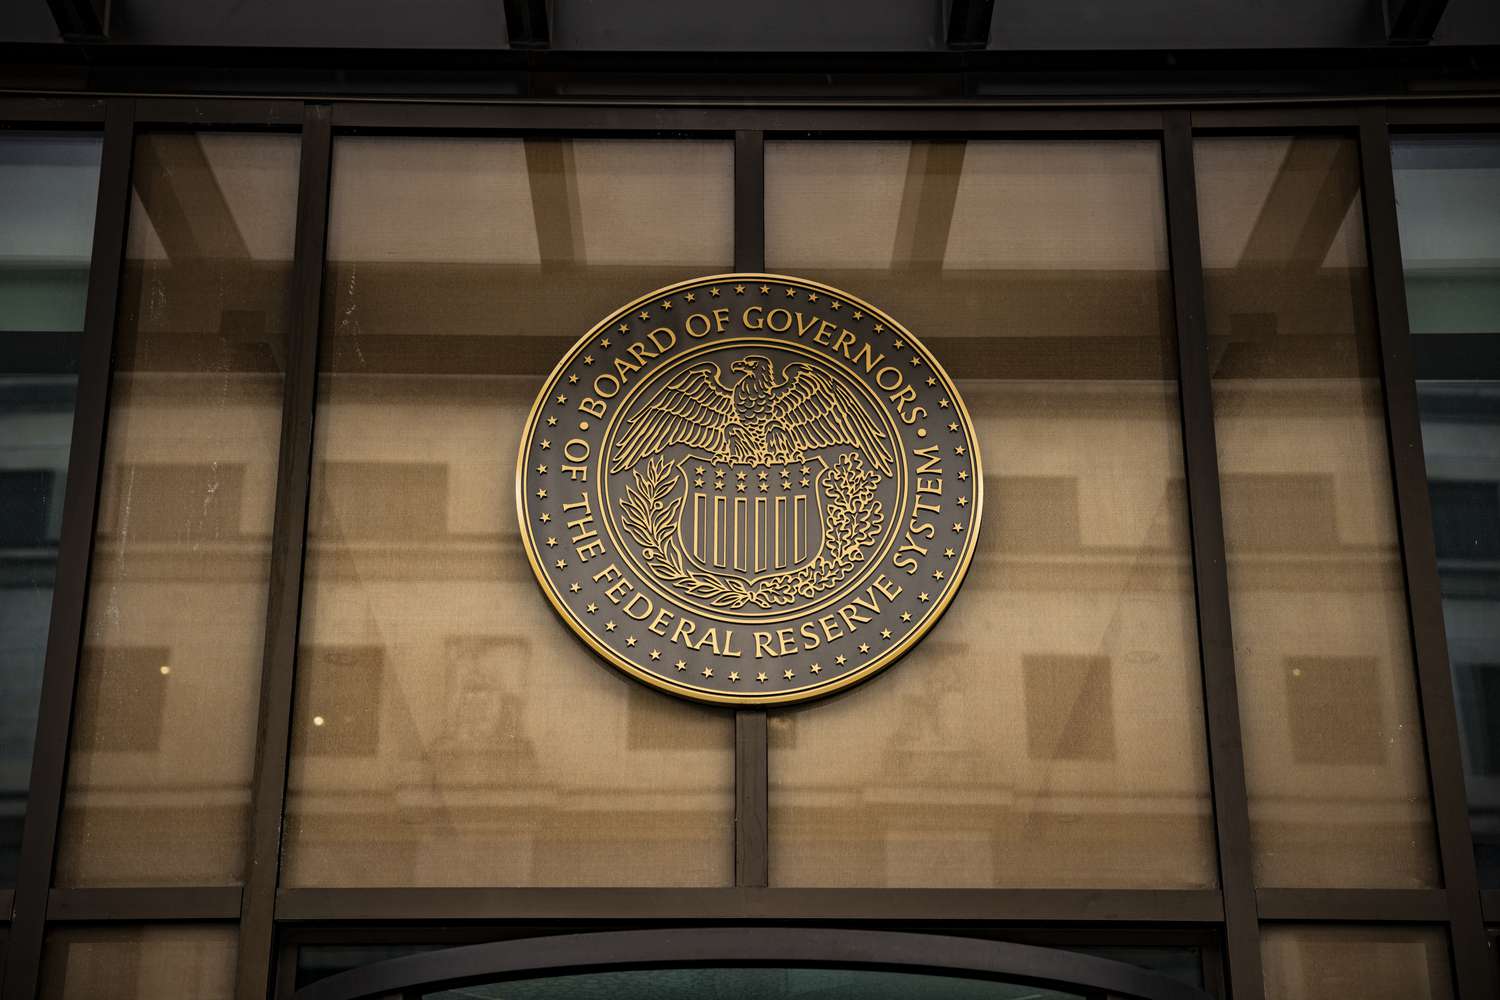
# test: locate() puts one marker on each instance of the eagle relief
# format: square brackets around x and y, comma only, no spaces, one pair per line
[749,488]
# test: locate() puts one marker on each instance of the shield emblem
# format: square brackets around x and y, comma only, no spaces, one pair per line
[754,531]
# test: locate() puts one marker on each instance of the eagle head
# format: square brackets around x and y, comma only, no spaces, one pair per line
[757,366]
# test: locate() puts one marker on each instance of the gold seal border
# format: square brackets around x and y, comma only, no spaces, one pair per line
[710,696]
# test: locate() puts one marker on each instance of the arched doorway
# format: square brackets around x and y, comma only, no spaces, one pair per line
[763,963]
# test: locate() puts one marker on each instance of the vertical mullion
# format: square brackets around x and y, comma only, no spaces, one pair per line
[749,200]
[1471,957]
[283,611]
[1210,576]
[75,548]
[751,745]
[751,833]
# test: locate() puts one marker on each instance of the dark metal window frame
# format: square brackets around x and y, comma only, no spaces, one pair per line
[271,921]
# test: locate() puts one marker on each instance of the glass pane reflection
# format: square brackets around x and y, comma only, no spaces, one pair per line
[168,689]
[449,729]
[1333,743]
[48,187]
[139,963]
[1049,731]
[1448,204]
[1461,440]
[753,984]
[1372,963]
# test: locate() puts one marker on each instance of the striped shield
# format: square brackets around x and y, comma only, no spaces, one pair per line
[752,532]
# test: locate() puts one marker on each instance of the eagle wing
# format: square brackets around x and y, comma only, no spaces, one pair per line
[692,409]
[818,411]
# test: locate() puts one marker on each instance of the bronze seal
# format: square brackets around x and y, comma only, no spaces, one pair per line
[749,488]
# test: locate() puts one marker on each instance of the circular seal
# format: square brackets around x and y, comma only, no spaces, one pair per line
[749,488]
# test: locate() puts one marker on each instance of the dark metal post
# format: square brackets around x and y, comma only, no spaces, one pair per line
[751,743]
[749,200]
[257,915]
[70,593]
[1210,576]
[751,834]
[1472,963]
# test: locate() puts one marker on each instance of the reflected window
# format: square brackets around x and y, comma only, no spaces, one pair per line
[120,708]
[1369,962]
[158,782]
[140,962]
[48,190]
[1335,767]
[340,712]
[1448,206]
[1037,272]
[1069,714]
[1334,706]
[468,738]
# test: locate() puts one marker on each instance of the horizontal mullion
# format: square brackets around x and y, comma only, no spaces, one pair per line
[1300,117]
[1032,905]
[1456,356]
[145,903]
[218,111]
[424,116]
[1356,905]
[47,109]
[40,352]
[1458,115]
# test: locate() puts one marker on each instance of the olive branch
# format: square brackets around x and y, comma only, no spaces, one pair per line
[651,514]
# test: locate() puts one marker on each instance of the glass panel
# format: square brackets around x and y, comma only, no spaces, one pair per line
[139,963]
[1333,743]
[48,186]
[449,730]
[1448,205]
[1448,200]
[762,984]
[1461,439]
[1372,963]
[164,723]
[1049,732]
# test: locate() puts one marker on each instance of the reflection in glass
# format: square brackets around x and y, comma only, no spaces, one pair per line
[1448,206]
[165,716]
[448,728]
[1049,730]
[47,192]
[1333,743]
[139,963]
[760,983]
[50,183]
[1369,962]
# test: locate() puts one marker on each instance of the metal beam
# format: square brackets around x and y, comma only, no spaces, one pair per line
[81,20]
[1226,758]
[1029,906]
[969,24]
[527,24]
[284,603]
[70,594]
[1412,22]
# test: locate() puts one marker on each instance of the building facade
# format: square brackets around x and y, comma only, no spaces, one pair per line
[1214,713]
